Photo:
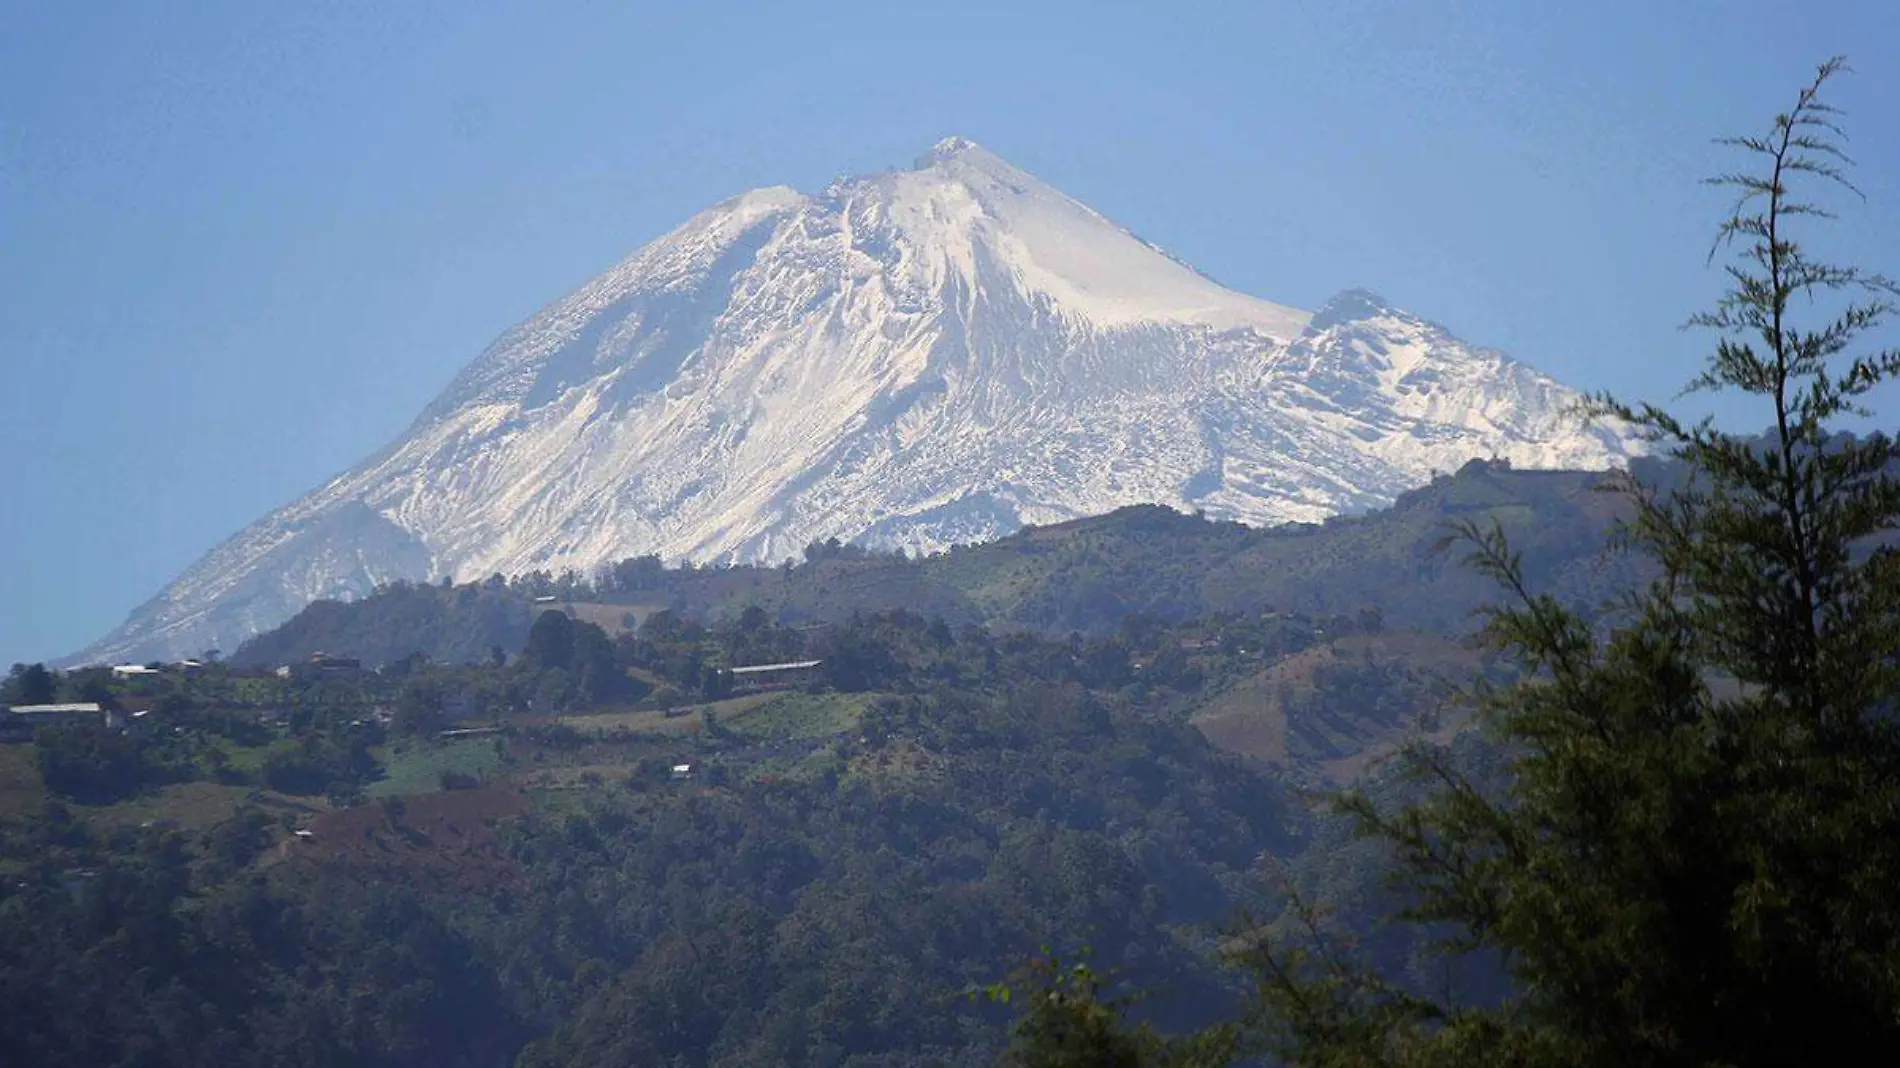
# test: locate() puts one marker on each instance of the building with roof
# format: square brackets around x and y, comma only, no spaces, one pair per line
[20,721]
[323,666]
[756,677]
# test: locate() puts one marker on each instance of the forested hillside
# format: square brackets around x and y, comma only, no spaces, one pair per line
[1085,577]
[548,804]
[543,821]
[837,864]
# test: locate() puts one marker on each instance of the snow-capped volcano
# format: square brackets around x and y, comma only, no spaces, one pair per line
[913,358]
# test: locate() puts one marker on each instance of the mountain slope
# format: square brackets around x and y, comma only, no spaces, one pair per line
[1085,577]
[915,358]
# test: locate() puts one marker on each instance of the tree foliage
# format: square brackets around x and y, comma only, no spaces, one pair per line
[1675,843]
[28,684]
[820,905]
[1692,860]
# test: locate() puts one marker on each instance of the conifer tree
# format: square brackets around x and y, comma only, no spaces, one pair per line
[1696,857]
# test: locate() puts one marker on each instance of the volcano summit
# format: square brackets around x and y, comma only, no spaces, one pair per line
[914,358]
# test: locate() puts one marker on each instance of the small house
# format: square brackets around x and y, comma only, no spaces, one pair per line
[323,666]
[21,721]
[682,771]
[788,675]
[466,732]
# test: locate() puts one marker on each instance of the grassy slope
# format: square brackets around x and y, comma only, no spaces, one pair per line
[417,767]
[751,716]
[675,722]
[1252,716]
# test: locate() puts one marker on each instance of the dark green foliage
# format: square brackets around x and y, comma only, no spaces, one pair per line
[107,968]
[1088,575]
[597,672]
[817,920]
[233,844]
[1691,861]
[96,764]
[419,708]
[453,625]
[551,641]
[856,659]
[1068,1019]
[640,574]
[28,684]
[826,906]
[317,763]
[573,664]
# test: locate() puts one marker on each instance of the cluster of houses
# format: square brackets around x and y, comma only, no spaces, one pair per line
[19,722]
[320,665]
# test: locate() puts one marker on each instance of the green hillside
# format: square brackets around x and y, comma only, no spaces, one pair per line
[1085,576]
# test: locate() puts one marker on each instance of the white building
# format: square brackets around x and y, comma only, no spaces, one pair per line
[20,721]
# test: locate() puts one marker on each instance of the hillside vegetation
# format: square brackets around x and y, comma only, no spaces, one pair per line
[1141,791]
[590,841]
[1084,577]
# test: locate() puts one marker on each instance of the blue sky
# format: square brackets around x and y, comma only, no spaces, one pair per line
[242,244]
